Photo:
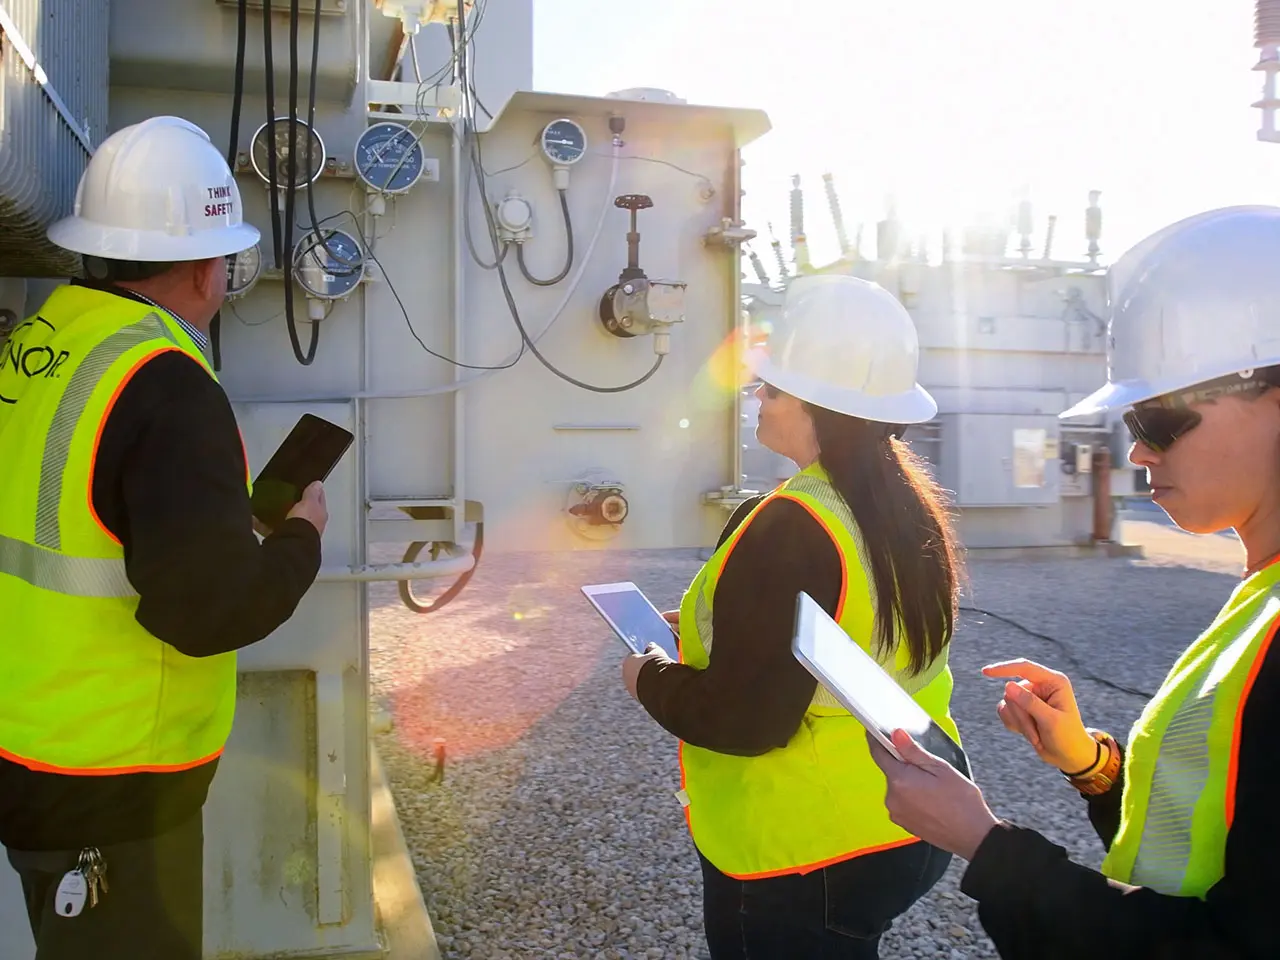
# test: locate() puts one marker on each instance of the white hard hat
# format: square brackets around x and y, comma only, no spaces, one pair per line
[1195,301]
[847,345]
[156,191]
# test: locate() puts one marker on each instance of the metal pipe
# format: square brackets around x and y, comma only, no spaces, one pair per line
[1102,495]
[375,572]
[739,315]
[458,130]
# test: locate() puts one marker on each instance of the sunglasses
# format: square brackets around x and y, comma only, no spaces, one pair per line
[1159,423]
[1157,428]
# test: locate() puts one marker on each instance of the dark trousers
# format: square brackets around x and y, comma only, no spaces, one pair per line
[837,913]
[154,909]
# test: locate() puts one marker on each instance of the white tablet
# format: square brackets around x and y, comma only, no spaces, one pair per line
[635,620]
[862,686]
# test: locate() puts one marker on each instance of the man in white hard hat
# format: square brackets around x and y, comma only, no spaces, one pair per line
[129,569]
[1186,811]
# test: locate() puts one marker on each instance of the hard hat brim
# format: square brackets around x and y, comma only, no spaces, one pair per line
[150,246]
[912,406]
[1126,393]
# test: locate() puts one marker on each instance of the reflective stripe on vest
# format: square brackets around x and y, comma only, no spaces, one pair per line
[819,799]
[87,690]
[1180,764]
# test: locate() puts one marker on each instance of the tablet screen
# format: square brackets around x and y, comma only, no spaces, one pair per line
[857,681]
[309,453]
[633,617]
[852,675]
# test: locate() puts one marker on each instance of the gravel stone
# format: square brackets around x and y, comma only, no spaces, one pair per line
[555,832]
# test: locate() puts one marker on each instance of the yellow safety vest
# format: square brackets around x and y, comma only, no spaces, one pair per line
[819,799]
[1180,764]
[86,689]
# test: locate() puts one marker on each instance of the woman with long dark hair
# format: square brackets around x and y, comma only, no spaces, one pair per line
[784,803]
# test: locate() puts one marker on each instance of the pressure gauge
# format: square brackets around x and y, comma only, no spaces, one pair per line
[564,142]
[331,269]
[243,270]
[389,158]
[291,158]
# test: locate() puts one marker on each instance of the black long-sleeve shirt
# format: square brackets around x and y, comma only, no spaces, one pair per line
[169,482]
[753,693]
[1035,903]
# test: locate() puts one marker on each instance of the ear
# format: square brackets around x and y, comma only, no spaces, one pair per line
[207,277]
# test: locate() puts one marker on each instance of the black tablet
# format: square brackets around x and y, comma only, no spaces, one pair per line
[309,453]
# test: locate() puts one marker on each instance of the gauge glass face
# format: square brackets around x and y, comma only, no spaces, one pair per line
[243,269]
[389,158]
[291,157]
[330,269]
[564,142]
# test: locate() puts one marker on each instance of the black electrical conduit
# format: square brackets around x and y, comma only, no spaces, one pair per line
[455,588]
[568,260]
[237,100]
[1076,666]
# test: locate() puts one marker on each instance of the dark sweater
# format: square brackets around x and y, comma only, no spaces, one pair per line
[169,483]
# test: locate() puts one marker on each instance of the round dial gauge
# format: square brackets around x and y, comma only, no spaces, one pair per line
[331,269]
[291,158]
[243,270]
[564,142]
[389,158]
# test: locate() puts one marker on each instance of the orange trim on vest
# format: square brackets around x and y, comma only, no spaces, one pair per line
[39,767]
[810,867]
[803,868]
[783,494]
[1233,767]
[844,566]
[844,584]
[97,437]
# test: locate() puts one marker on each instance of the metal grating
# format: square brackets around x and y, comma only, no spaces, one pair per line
[53,100]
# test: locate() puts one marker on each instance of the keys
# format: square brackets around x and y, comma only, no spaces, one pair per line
[93,868]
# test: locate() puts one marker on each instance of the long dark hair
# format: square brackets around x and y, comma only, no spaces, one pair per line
[901,514]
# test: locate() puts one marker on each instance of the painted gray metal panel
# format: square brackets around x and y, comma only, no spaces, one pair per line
[15,932]
[41,156]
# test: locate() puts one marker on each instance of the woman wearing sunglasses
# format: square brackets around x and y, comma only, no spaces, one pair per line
[785,806]
[1187,811]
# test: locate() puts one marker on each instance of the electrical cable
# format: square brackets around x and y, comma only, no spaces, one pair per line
[568,260]
[1077,667]
[466,228]
[268,57]
[233,143]
[477,159]
[353,266]
[291,194]
[405,312]
[455,588]
[413,55]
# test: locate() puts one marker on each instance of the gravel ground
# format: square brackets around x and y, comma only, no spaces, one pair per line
[554,832]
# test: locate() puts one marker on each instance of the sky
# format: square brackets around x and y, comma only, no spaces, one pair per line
[953,108]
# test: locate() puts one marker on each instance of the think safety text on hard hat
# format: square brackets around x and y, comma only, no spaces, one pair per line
[156,191]
[847,345]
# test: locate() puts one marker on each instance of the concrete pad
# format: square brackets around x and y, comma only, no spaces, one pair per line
[402,913]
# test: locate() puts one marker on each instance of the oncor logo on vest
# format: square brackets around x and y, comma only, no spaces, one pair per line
[18,358]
